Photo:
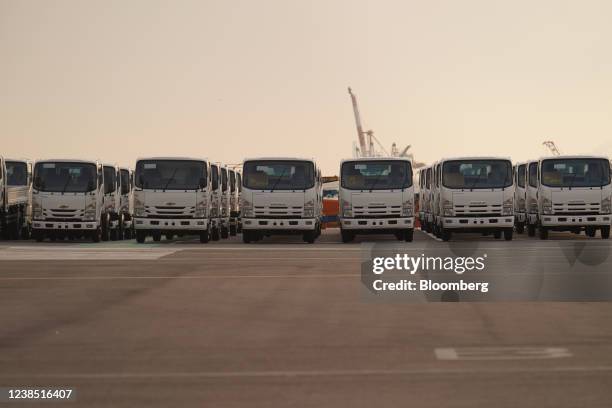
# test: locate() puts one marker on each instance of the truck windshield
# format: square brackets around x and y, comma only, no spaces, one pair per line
[575,172]
[65,177]
[125,182]
[376,175]
[520,176]
[279,175]
[223,179]
[170,174]
[477,174]
[232,181]
[110,180]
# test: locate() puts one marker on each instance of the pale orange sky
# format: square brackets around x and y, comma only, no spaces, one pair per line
[231,79]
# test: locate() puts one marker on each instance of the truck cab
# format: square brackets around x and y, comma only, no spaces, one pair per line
[376,196]
[112,202]
[171,197]
[126,202]
[520,196]
[68,200]
[474,194]
[15,195]
[574,193]
[531,196]
[225,202]
[234,201]
[281,195]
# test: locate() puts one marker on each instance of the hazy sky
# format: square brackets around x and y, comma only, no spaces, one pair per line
[231,79]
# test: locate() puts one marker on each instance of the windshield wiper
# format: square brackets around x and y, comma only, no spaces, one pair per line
[376,180]
[571,184]
[278,179]
[66,185]
[171,178]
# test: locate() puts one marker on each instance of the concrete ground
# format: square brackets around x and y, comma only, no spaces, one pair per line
[281,323]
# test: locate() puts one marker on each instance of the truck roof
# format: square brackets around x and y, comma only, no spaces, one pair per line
[473,158]
[386,158]
[173,158]
[279,158]
[95,162]
[573,156]
[16,160]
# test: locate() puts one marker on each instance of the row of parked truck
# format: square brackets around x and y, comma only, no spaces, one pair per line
[169,196]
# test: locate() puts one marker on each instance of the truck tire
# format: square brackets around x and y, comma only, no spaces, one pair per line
[543,232]
[497,234]
[157,236]
[169,237]
[508,233]
[309,236]
[105,228]
[520,227]
[215,234]
[605,232]
[247,236]
[38,236]
[141,237]
[347,236]
[232,230]
[96,236]
[204,237]
[113,234]
[446,234]
[590,231]
[408,235]
[127,234]
[531,230]
[224,232]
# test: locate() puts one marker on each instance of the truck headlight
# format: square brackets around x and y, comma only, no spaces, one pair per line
[521,204]
[533,206]
[407,208]
[37,212]
[309,209]
[200,209]
[347,209]
[606,205]
[246,209]
[90,212]
[508,207]
[448,208]
[547,207]
[139,208]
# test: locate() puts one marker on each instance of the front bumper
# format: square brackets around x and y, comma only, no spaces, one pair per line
[377,223]
[305,224]
[191,224]
[574,220]
[506,221]
[64,226]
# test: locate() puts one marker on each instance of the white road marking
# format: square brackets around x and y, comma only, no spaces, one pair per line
[312,373]
[57,253]
[501,353]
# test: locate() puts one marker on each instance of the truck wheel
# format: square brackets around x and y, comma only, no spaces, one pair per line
[309,236]
[408,235]
[232,230]
[446,234]
[96,236]
[605,232]
[113,234]
[520,227]
[543,232]
[224,233]
[105,229]
[157,236]
[204,237]
[497,234]
[347,236]
[508,233]
[531,230]
[169,237]
[38,236]
[127,233]
[246,237]
[141,237]
[399,235]
[215,234]
[590,231]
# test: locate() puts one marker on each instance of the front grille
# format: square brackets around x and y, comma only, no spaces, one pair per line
[377,211]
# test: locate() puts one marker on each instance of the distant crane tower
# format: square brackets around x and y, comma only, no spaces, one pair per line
[552,147]
[362,150]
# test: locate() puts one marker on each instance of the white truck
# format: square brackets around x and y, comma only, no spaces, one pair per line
[474,194]
[15,192]
[281,196]
[225,203]
[376,196]
[531,199]
[171,197]
[68,200]
[234,222]
[574,193]
[520,195]
[126,203]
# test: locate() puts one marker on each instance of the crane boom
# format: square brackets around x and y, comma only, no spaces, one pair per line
[553,147]
[360,133]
